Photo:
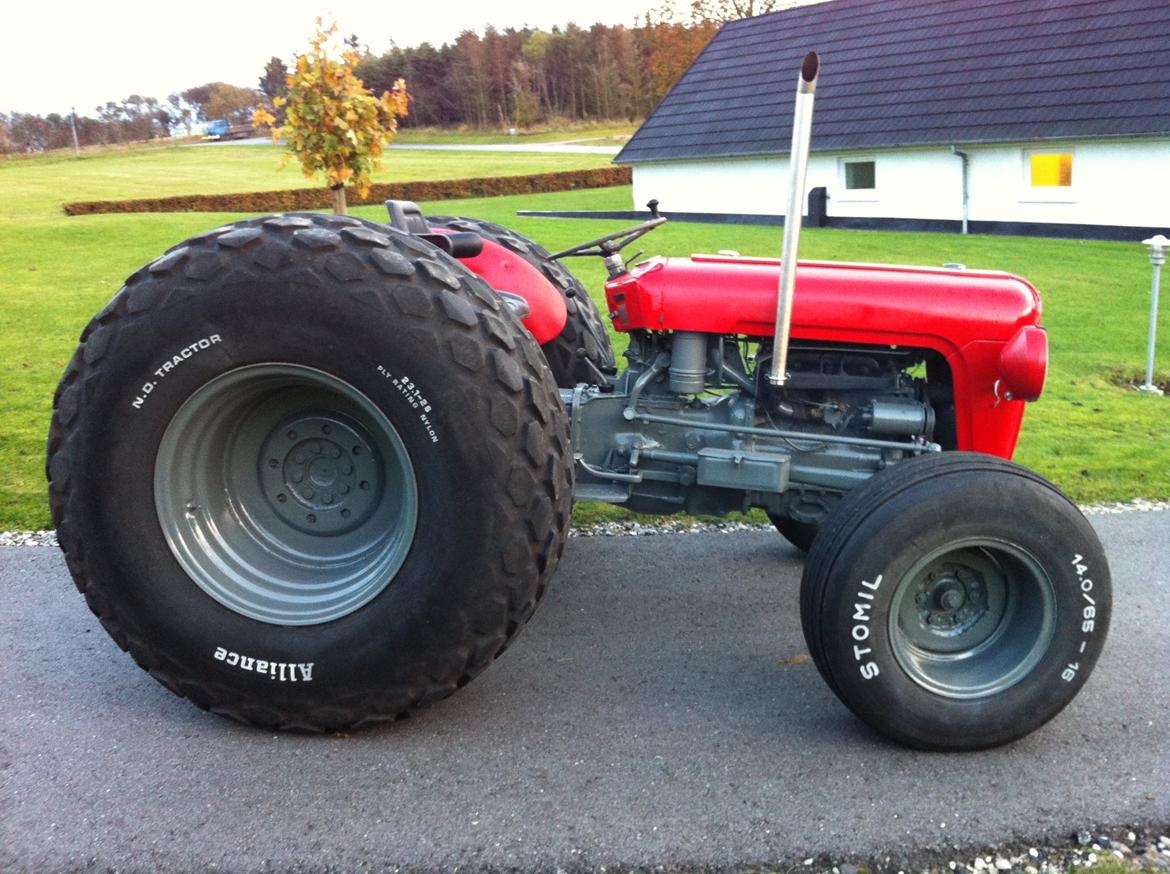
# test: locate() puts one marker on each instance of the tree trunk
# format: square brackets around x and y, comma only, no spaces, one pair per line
[338,199]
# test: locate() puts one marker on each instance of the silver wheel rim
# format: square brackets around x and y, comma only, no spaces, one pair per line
[973,618]
[285,494]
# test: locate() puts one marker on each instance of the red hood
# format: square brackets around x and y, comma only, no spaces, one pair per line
[866,303]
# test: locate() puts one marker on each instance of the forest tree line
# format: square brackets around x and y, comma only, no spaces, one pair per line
[517,78]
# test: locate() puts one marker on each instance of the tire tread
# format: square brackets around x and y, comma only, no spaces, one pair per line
[231,255]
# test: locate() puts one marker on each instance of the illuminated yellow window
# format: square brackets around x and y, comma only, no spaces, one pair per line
[1051,169]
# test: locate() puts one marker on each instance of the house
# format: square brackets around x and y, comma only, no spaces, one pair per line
[1047,117]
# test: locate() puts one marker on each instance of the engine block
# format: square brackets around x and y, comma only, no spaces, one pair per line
[692,426]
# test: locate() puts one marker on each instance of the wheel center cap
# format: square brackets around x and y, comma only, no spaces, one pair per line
[321,473]
[949,595]
[951,601]
[315,470]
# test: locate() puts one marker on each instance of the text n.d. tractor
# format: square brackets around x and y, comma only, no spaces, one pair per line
[315,472]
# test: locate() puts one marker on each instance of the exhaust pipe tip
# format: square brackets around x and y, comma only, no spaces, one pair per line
[809,69]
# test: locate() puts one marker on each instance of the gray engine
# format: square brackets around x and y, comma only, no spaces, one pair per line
[694,425]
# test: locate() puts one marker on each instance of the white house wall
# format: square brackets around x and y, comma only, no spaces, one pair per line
[743,185]
[1121,183]
[1114,183]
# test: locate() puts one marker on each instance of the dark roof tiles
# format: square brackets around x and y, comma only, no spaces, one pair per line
[922,72]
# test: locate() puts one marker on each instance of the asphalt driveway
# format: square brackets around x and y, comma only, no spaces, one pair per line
[657,710]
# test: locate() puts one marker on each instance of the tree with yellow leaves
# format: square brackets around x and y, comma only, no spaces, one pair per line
[333,124]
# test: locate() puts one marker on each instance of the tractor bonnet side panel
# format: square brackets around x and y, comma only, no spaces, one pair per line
[969,317]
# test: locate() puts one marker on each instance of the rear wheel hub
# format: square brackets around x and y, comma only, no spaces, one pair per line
[321,473]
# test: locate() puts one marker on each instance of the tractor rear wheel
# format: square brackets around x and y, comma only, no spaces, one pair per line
[310,474]
[956,601]
[582,352]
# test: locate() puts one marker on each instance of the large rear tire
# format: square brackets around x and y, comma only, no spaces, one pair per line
[956,601]
[310,474]
[582,352]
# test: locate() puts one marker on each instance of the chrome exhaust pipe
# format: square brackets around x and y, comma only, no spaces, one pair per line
[797,170]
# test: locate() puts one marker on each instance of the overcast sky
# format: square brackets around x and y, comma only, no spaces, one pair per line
[54,55]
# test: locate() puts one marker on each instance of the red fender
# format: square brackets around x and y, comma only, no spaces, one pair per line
[504,270]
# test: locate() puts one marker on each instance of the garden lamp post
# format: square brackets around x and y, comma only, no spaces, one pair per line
[1158,246]
[73,127]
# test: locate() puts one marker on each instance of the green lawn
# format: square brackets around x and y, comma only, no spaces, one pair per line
[37,188]
[1097,440]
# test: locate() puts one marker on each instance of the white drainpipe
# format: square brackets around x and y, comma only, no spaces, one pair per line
[965,158]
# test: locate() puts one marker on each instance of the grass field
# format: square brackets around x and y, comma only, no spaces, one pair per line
[1096,439]
[37,188]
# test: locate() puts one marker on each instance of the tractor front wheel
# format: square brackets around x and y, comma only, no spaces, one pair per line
[956,601]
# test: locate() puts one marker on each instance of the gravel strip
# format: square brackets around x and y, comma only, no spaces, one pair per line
[28,538]
[1137,505]
[1138,851]
[632,528]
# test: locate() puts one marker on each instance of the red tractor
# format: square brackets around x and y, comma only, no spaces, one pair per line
[315,472]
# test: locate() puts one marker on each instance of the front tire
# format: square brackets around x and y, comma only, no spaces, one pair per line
[956,601]
[310,474]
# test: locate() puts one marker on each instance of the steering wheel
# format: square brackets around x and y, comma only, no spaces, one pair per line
[613,243]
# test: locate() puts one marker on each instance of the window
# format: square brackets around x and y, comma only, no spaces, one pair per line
[1051,169]
[860,175]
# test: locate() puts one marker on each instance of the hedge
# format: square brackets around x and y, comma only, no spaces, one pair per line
[319,198]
